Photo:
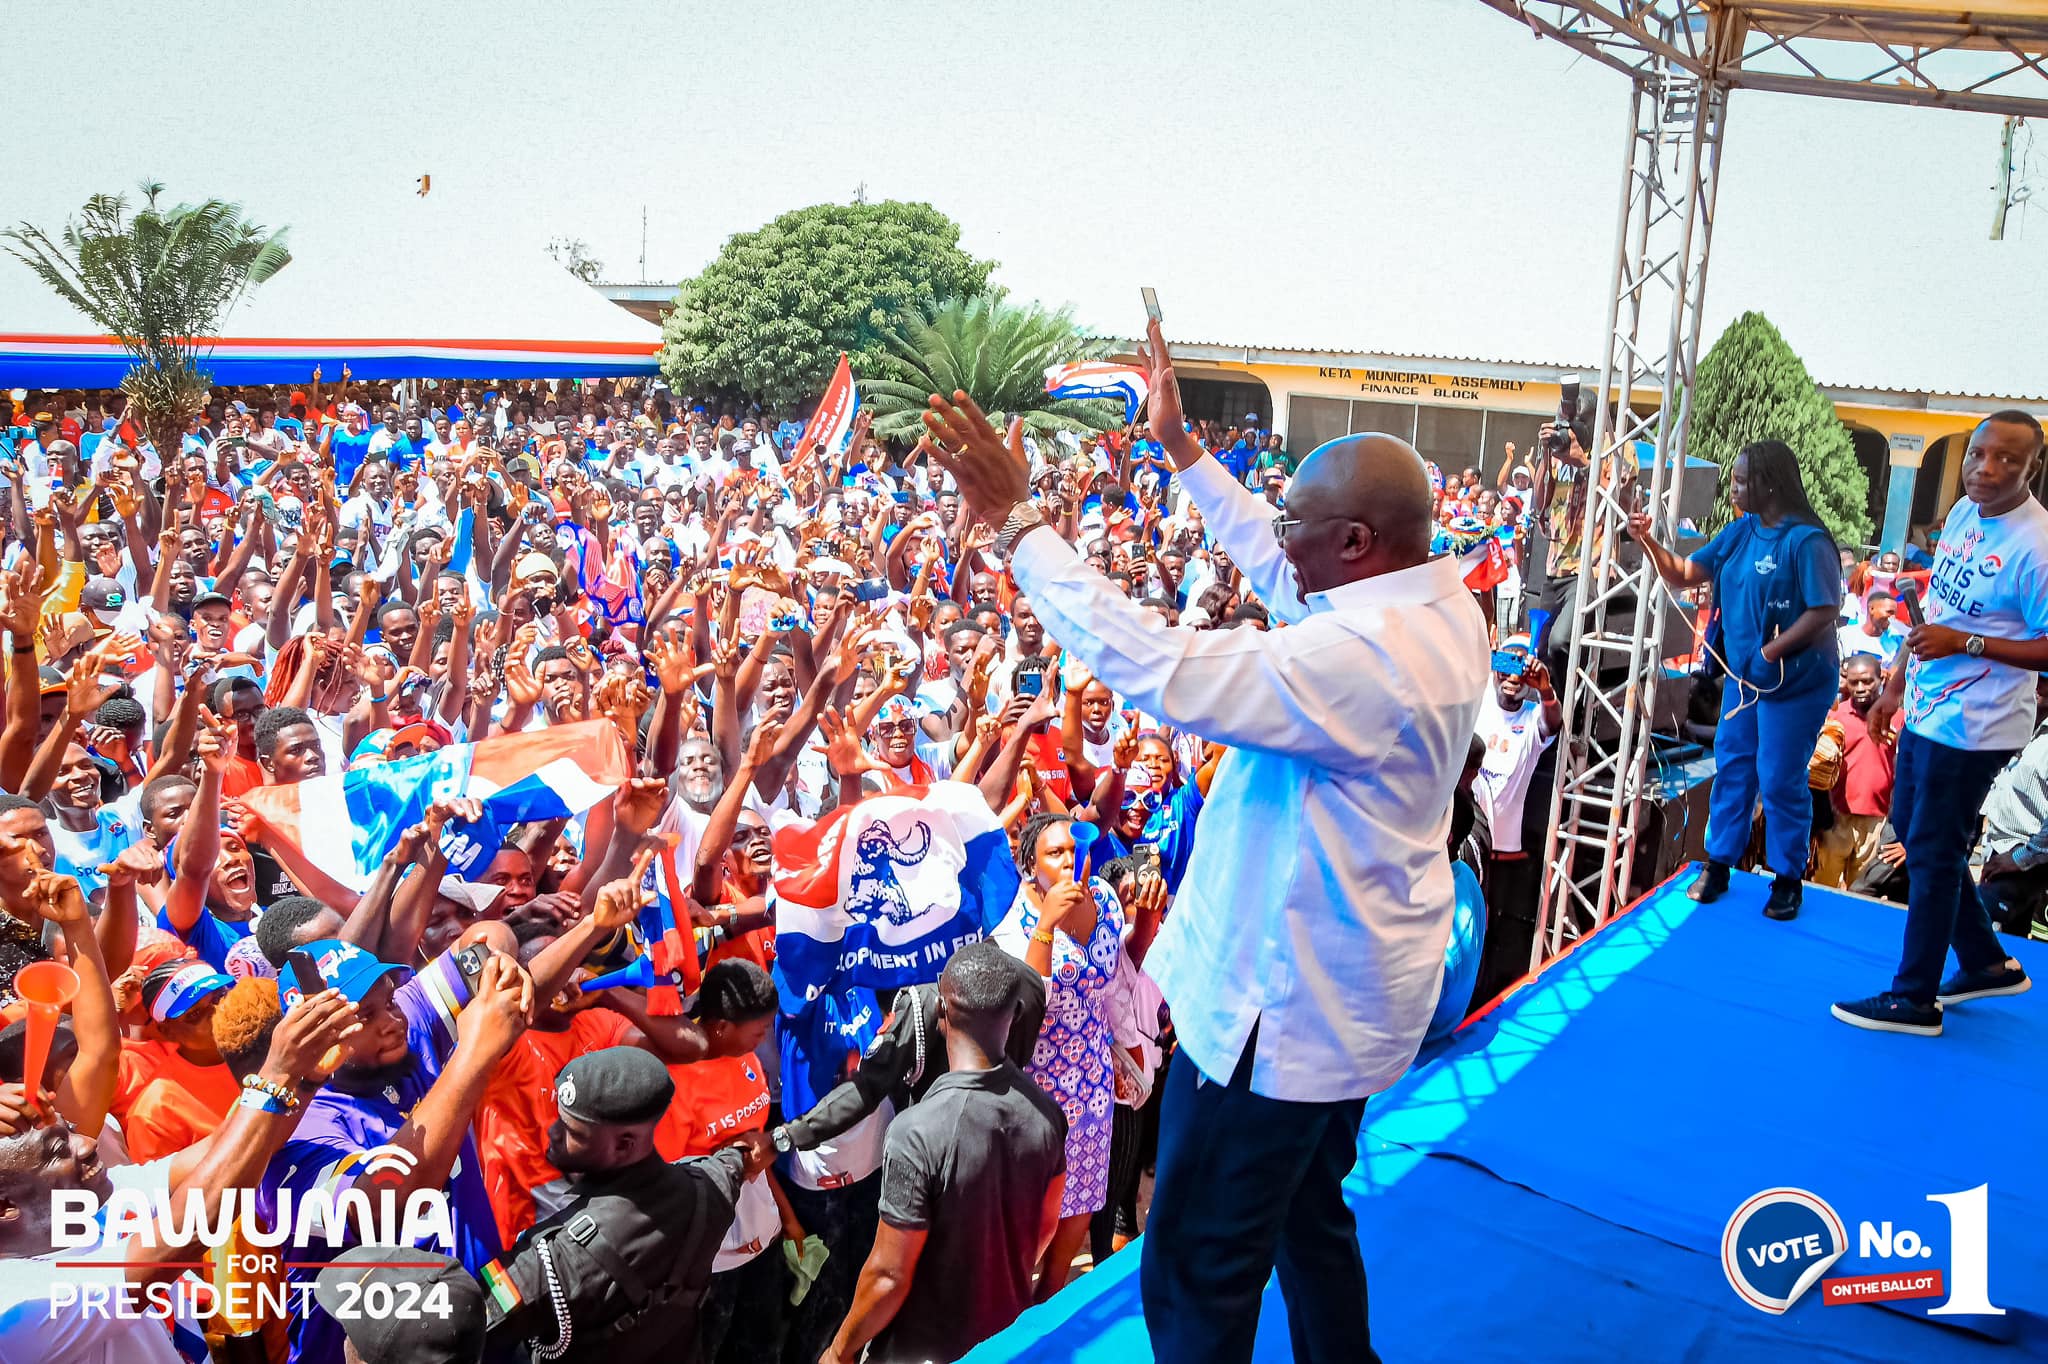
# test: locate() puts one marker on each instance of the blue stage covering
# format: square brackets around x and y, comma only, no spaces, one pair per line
[1554,1184]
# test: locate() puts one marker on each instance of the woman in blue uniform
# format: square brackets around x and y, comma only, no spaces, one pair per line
[1777,590]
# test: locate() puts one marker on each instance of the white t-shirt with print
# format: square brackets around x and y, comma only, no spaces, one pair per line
[1990,578]
[1514,742]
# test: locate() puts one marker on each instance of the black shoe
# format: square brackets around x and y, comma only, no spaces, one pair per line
[2006,978]
[1784,901]
[1891,1013]
[1710,885]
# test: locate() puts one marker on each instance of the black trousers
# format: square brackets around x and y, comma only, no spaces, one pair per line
[1123,1183]
[1245,1185]
[846,1220]
[746,1311]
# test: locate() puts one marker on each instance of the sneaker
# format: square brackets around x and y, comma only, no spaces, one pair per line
[1710,885]
[1784,901]
[2006,978]
[1891,1013]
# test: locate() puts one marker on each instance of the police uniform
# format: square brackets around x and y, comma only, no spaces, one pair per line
[619,1273]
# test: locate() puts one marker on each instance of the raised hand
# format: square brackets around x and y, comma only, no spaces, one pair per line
[84,688]
[21,600]
[675,667]
[843,750]
[582,655]
[520,683]
[725,661]
[136,862]
[310,1042]
[637,807]
[498,1011]
[215,742]
[58,899]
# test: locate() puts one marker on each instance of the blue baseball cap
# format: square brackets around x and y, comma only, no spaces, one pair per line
[344,966]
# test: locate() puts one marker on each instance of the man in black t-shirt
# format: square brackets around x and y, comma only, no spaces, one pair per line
[971,1182]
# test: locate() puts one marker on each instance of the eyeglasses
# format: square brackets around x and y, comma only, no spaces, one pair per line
[1283,523]
[893,726]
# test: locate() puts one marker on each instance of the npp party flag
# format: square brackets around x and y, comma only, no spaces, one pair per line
[882,893]
[833,421]
[1100,379]
[344,823]
[609,580]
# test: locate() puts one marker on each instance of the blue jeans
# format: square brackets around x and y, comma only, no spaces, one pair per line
[1764,747]
[1937,792]
[1245,1185]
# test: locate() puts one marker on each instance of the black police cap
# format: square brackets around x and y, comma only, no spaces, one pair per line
[616,1085]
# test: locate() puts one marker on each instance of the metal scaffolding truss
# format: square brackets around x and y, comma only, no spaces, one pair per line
[1683,58]
[1991,57]
[1666,224]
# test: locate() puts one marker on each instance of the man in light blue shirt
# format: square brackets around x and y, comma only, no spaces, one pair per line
[1304,956]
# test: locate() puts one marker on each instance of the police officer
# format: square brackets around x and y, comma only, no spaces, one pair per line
[618,1274]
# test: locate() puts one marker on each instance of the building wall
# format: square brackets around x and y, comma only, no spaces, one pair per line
[1415,399]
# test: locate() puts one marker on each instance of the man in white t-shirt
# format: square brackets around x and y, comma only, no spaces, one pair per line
[1520,724]
[1966,700]
[1877,634]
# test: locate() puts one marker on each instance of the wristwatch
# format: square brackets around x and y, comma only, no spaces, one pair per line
[780,1136]
[1022,518]
[1974,646]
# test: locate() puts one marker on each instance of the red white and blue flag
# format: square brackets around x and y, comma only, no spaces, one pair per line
[882,893]
[345,823]
[833,421]
[608,580]
[1100,379]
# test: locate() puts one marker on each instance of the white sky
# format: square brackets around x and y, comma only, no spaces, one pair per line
[1394,175]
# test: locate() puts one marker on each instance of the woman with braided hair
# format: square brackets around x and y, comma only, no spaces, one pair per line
[1069,934]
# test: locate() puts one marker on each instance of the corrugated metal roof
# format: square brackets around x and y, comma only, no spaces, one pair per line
[1832,385]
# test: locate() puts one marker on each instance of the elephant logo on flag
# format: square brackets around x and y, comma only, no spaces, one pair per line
[876,888]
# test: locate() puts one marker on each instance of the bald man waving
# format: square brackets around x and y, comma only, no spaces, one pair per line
[1305,952]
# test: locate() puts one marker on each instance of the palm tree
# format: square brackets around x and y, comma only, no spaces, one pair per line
[995,350]
[161,282]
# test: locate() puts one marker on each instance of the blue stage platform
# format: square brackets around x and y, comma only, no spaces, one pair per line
[1554,1183]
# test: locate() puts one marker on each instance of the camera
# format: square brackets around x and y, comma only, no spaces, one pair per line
[1558,443]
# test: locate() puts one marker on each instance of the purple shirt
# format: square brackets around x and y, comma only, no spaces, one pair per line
[325,1151]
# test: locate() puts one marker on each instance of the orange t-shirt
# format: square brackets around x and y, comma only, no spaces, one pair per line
[714,1099]
[243,775]
[166,1103]
[518,1107]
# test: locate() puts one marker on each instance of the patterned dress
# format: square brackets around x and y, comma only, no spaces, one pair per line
[1072,1062]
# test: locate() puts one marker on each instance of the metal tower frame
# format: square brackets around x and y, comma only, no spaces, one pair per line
[1683,58]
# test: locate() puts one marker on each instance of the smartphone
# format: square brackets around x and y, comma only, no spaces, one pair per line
[1511,662]
[1909,602]
[1151,302]
[1032,683]
[871,589]
[304,972]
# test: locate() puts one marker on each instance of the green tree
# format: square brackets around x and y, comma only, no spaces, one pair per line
[161,282]
[767,319]
[998,352]
[1751,386]
[573,255]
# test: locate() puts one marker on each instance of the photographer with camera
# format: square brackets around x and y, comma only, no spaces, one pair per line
[1563,471]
